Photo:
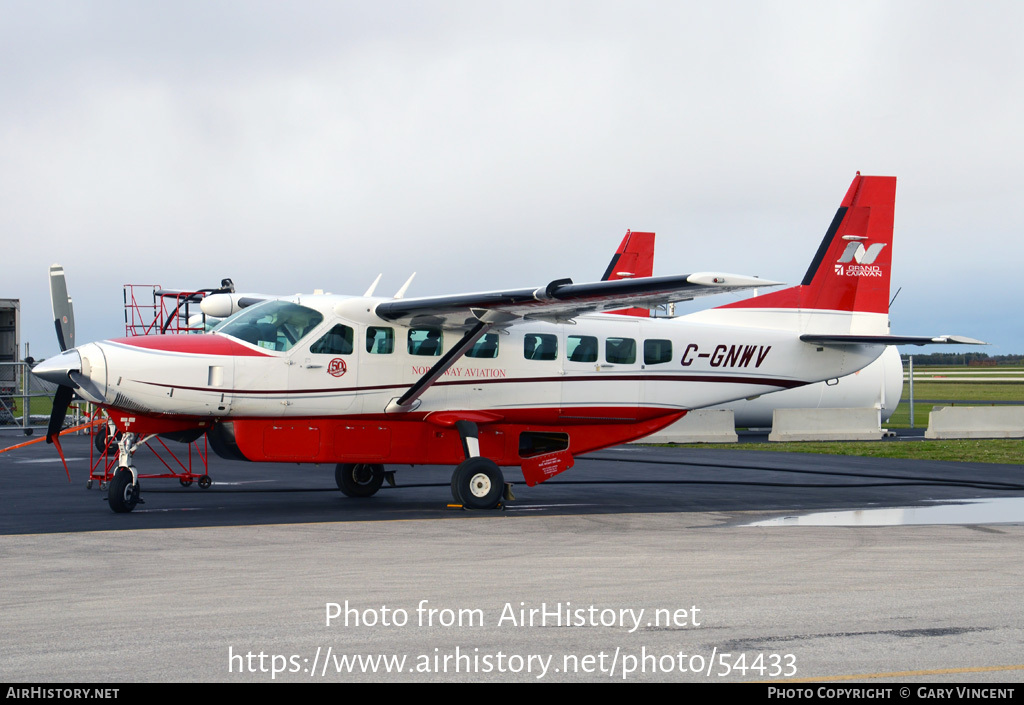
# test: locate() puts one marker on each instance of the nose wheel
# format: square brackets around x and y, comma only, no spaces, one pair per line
[123,491]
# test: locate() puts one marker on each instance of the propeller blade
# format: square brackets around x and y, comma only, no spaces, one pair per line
[63,312]
[61,401]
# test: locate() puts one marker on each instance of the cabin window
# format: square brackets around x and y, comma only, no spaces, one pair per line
[275,325]
[540,346]
[425,341]
[581,348]
[620,351]
[336,341]
[486,347]
[380,340]
[657,351]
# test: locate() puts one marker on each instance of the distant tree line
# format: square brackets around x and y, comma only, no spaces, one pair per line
[971,359]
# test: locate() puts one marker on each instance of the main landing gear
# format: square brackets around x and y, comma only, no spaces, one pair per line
[477,482]
[359,479]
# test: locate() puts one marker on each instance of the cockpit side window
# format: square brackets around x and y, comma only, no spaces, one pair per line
[274,325]
[336,341]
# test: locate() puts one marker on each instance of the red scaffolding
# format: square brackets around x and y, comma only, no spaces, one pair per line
[150,309]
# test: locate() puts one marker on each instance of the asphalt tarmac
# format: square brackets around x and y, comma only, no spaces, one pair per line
[639,564]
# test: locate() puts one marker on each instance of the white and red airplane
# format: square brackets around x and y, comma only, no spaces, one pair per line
[878,386]
[527,377]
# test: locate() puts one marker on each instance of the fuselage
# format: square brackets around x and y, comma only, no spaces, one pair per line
[308,379]
[878,386]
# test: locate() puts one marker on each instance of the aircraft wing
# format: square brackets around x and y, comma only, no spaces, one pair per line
[561,300]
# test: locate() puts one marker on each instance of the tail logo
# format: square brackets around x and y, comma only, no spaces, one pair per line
[864,258]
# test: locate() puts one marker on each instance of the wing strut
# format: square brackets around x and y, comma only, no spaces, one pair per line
[410,400]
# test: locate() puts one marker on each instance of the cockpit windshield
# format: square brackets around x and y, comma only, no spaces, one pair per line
[274,325]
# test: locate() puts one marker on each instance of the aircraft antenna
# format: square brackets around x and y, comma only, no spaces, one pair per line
[401,292]
[369,292]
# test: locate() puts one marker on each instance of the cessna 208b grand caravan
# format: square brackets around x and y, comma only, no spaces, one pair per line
[526,377]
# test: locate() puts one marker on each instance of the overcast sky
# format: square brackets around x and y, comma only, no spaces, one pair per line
[303,145]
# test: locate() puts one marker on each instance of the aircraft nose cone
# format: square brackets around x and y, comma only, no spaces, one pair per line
[59,368]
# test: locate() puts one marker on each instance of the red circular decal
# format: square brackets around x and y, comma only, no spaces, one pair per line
[337,367]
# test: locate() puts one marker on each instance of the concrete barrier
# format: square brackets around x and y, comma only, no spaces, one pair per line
[701,426]
[976,422]
[825,425]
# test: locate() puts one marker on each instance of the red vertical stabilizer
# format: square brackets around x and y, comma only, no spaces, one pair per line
[851,270]
[633,260]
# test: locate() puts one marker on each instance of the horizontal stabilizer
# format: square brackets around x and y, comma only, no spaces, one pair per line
[890,340]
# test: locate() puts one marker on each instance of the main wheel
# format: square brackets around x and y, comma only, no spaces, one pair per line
[477,483]
[123,492]
[359,479]
[101,442]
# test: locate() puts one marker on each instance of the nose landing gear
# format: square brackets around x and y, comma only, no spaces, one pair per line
[124,490]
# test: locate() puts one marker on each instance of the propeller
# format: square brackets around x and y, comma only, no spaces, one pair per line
[62,369]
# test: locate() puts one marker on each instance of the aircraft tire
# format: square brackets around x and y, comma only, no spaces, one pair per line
[478,483]
[122,493]
[359,479]
[100,442]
